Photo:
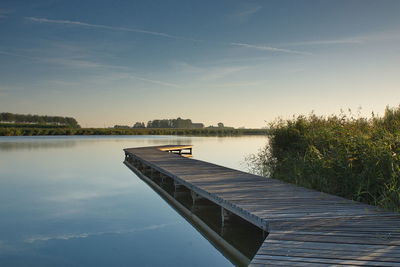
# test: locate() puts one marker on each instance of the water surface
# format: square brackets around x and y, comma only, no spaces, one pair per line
[69,201]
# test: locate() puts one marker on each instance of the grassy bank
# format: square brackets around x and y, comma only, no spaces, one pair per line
[32,131]
[32,126]
[356,158]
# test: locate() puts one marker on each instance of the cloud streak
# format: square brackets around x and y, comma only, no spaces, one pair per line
[244,14]
[219,73]
[4,13]
[86,64]
[156,81]
[106,27]
[269,48]
[165,35]
[207,73]
[16,55]
[358,39]
[249,11]
[89,234]
[328,42]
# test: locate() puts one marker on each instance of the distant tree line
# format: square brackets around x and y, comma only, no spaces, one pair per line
[32,125]
[178,123]
[121,127]
[38,119]
[34,130]
[139,125]
[171,123]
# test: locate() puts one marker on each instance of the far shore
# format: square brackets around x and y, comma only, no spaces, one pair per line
[35,131]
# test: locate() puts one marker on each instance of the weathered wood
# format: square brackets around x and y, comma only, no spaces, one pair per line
[306,227]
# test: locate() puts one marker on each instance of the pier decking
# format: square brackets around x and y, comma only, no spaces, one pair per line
[303,227]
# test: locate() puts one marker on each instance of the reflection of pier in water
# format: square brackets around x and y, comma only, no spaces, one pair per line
[235,210]
[237,239]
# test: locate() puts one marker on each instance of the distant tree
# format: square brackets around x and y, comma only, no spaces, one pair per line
[170,123]
[7,117]
[139,125]
[38,119]
[220,125]
[181,123]
[121,127]
[197,125]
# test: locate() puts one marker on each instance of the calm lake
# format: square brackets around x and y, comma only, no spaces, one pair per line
[70,201]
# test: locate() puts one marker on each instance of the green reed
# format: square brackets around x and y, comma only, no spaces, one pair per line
[353,157]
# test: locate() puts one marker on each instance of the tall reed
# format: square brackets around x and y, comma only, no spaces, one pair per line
[353,157]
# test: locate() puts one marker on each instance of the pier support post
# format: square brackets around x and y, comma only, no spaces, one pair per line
[164,178]
[140,166]
[225,216]
[264,234]
[195,196]
[180,190]
[136,163]
[146,170]
[178,186]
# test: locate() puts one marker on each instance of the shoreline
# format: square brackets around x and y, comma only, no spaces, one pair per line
[14,131]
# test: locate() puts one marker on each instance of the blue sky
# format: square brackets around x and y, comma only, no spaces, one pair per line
[239,62]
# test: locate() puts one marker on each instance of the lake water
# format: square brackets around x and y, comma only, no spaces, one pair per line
[70,201]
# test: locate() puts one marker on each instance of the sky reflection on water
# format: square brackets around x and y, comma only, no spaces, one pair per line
[69,201]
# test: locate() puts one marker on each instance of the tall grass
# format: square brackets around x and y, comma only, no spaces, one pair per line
[353,157]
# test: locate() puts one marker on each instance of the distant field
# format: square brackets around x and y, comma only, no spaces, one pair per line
[28,130]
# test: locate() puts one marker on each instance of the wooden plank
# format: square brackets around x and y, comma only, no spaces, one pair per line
[274,262]
[390,256]
[353,262]
[305,227]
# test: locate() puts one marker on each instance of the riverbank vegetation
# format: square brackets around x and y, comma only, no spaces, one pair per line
[29,131]
[37,121]
[31,125]
[177,123]
[353,157]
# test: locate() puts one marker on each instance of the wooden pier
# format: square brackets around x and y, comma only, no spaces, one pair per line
[303,227]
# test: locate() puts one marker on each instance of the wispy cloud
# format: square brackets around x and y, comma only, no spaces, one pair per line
[166,35]
[106,27]
[6,53]
[243,84]
[381,36]
[4,13]
[221,72]
[156,81]
[206,73]
[89,234]
[358,39]
[245,13]
[328,42]
[76,63]
[122,71]
[270,48]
